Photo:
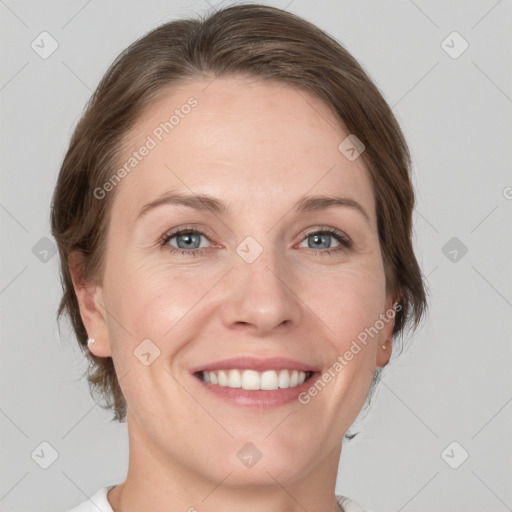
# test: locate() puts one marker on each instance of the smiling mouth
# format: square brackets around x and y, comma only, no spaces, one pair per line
[252,380]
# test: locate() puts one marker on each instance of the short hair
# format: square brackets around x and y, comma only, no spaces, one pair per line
[249,40]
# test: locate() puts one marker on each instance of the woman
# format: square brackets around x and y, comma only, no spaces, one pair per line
[233,217]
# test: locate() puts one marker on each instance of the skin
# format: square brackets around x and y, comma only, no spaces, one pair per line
[259,147]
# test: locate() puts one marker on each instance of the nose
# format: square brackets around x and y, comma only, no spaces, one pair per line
[261,297]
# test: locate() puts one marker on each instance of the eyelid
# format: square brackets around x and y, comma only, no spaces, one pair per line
[201,230]
[344,238]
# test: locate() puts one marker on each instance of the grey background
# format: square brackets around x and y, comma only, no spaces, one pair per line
[452,383]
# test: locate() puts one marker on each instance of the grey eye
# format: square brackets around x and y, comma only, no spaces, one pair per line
[320,240]
[187,240]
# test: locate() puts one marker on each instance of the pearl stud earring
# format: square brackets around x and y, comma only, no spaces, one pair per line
[90,340]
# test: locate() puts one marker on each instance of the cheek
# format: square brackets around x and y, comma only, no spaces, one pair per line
[153,301]
[145,307]
[351,301]
[356,301]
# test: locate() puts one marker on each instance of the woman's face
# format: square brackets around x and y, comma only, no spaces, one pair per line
[263,278]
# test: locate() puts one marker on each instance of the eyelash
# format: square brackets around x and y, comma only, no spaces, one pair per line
[344,241]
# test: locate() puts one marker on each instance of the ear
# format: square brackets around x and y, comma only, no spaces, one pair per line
[92,309]
[385,338]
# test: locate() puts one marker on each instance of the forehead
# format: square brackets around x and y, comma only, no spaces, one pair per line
[240,139]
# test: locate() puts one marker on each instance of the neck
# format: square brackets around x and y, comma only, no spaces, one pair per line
[156,481]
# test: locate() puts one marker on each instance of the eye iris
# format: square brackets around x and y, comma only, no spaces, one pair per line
[320,240]
[192,240]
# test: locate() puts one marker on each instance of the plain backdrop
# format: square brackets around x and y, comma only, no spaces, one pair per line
[437,437]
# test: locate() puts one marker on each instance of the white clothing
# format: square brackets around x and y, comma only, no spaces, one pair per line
[99,503]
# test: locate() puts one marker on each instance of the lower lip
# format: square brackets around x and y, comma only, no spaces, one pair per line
[262,399]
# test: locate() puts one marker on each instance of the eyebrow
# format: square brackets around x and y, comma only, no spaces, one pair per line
[313,203]
[208,203]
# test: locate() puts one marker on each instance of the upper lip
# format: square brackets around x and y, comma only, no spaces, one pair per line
[258,364]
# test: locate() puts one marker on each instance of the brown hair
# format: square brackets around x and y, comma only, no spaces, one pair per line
[252,40]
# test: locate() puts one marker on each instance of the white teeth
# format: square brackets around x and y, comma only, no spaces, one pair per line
[250,380]
[269,380]
[223,378]
[284,379]
[234,379]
